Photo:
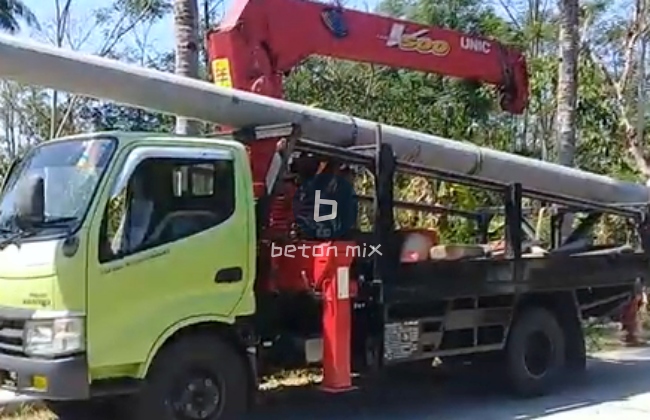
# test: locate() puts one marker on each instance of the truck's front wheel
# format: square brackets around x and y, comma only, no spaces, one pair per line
[198,377]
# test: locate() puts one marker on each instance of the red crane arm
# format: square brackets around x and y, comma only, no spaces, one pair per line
[261,40]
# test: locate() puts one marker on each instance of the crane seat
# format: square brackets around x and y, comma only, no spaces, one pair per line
[452,252]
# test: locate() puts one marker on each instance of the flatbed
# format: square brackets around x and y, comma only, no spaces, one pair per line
[465,300]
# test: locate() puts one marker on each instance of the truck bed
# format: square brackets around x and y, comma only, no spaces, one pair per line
[440,279]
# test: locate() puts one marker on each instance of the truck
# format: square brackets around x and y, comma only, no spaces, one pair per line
[165,275]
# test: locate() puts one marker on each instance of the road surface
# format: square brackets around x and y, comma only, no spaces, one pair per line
[617,386]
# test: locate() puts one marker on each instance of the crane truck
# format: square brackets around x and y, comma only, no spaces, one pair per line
[169,273]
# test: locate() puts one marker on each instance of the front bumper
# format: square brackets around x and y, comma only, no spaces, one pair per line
[54,379]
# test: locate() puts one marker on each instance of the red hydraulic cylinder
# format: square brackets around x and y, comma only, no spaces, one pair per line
[337,291]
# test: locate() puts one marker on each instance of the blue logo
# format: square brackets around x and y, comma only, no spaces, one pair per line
[325,207]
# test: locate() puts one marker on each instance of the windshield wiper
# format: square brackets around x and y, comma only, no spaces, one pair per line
[14,236]
[15,233]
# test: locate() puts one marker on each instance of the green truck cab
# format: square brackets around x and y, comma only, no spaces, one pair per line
[85,298]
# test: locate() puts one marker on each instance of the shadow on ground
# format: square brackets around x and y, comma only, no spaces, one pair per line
[610,384]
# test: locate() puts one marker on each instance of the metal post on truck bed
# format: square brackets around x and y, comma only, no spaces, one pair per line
[643,231]
[384,265]
[384,219]
[513,196]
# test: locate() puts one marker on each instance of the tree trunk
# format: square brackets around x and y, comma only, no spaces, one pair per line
[641,98]
[186,33]
[567,90]
[567,86]
[62,17]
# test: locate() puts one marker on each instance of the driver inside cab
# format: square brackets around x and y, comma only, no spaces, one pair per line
[136,221]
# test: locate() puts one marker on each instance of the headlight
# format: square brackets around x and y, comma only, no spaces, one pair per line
[54,337]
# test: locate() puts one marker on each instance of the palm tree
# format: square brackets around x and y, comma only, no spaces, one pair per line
[567,86]
[14,11]
[186,34]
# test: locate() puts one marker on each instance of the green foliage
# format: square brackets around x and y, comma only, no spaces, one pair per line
[155,9]
[133,10]
[14,11]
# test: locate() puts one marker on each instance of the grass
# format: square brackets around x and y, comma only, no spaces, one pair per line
[599,337]
[28,412]
[607,336]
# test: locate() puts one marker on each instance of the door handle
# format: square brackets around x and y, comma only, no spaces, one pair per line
[229,275]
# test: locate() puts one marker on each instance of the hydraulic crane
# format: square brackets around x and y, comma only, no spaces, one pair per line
[258,42]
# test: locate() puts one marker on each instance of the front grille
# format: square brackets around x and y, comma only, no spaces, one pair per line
[11,336]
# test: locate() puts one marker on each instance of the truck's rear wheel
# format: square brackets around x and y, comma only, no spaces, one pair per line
[535,352]
[198,377]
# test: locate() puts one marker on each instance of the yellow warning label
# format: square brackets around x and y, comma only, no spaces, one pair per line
[221,72]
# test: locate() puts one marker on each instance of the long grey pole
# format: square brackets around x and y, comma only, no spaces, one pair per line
[39,64]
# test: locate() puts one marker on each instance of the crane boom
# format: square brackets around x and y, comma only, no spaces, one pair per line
[28,62]
[259,41]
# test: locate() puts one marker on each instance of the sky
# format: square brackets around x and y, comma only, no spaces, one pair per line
[82,10]
[160,35]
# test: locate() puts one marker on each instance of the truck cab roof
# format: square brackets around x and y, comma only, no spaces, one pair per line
[136,136]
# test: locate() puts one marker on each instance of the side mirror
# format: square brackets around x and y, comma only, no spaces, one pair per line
[30,201]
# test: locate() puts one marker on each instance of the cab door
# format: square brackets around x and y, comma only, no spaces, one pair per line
[172,245]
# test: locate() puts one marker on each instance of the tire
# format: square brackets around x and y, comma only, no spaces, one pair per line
[535,353]
[198,363]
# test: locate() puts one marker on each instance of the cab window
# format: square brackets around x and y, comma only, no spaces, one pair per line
[166,200]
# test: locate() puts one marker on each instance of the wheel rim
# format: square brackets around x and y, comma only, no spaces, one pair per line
[197,395]
[538,355]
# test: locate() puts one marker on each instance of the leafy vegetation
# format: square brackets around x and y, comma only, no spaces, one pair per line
[12,13]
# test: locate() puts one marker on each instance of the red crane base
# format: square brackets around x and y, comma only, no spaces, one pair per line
[337,321]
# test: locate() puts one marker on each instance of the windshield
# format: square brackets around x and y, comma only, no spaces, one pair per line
[71,171]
